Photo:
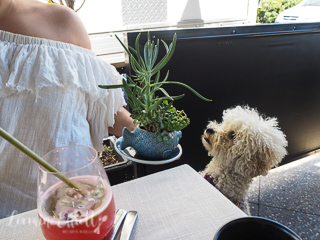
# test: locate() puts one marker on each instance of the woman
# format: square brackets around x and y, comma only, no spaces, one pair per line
[49,95]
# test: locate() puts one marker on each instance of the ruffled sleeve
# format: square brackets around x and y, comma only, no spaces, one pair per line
[30,64]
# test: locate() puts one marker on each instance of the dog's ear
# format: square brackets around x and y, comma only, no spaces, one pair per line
[231,135]
[254,162]
[263,162]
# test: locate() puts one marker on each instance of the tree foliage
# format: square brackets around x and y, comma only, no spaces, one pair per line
[68,3]
[271,8]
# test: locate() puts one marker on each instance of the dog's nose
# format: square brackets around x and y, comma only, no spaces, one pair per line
[210,131]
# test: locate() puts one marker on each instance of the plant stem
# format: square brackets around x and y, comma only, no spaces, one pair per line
[15,142]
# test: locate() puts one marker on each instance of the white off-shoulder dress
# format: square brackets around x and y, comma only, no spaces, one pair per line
[49,97]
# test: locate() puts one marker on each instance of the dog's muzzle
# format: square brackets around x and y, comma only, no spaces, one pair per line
[209,131]
[207,140]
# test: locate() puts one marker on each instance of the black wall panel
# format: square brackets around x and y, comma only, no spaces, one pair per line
[274,68]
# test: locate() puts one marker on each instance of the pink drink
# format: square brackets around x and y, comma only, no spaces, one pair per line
[66,214]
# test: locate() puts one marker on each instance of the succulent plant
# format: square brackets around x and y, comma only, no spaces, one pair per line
[153,112]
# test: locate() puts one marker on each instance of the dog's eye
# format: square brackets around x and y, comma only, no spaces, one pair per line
[232,135]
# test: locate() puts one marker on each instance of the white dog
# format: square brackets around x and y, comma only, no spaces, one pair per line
[244,145]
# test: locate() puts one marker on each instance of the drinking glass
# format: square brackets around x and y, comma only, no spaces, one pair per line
[68,213]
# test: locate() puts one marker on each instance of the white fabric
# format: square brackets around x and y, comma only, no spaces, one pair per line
[176,204]
[49,97]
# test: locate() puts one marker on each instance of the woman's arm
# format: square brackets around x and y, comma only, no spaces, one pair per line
[122,119]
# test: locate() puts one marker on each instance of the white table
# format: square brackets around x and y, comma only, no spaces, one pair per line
[173,204]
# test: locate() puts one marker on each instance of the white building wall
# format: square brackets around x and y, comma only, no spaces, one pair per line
[104,18]
[101,15]
[106,15]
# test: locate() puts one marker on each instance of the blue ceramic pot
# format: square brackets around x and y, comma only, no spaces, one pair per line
[146,144]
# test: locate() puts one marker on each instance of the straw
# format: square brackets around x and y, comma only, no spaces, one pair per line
[15,142]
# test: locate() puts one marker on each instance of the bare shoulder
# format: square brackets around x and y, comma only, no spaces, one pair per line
[64,25]
[44,20]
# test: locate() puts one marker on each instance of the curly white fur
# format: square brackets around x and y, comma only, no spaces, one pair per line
[244,145]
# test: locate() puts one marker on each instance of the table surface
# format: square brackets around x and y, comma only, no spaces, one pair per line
[173,204]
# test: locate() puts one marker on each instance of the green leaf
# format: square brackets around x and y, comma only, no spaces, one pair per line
[110,86]
[137,53]
[155,105]
[132,106]
[167,57]
[166,77]
[134,51]
[165,45]
[131,81]
[125,48]
[178,97]
[140,59]
[164,92]
[145,52]
[135,65]
[158,84]
[157,77]
[188,87]
[155,54]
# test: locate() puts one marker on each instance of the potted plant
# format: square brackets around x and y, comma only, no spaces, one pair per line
[159,123]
